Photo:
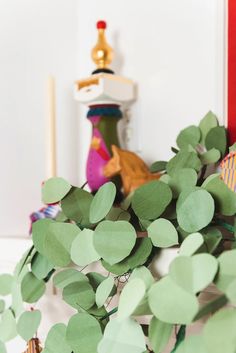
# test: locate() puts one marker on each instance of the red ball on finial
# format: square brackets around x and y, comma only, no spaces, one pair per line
[101,25]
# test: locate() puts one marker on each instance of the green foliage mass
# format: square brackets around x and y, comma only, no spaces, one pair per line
[190,208]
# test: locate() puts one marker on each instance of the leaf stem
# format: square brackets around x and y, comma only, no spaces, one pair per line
[113,311]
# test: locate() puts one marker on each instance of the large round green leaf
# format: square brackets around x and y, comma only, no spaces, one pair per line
[7,326]
[58,241]
[184,179]
[227,265]
[194,273]
[40,266]
[206,124]
[140,252]
[102,202]
[216,138]
[196,211]
[131,296]
[76,206]
[5,284]
[191,244]
[83,333]
[54,189]
[189,136]
[162,233]
[56,340]
[79,295]
[172,304]
[104,291]
[182,160]
[32,288]
[28,324]
[219,332]
[124,336]
[83,251]
[225,199]
[68,276]
[151,199]
[144,274]
[114,240]
[159,334]
[117,269]
[39,233]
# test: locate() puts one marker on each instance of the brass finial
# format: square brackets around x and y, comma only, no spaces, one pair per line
[102,53]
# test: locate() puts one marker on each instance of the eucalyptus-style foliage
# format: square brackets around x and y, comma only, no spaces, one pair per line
[189,207]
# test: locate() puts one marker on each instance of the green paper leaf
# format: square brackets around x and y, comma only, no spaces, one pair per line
[196,211]
[151,199]
[191,244]
[219,332]
[162,233]
[76,206]
[2,306]
[83,251]
[32,288]
[194,273]
[102,202]
[17,301]
[83,333]
[206,124]
[184,179]
[124,336]
[159,334]
[192,344]
[95,279]
[182,160]
[39,233]
[40,266]
[79,295]
[212,237]
[5,284]
[2,348]
[104,291]
[117,269]
[158,166]
[54,189]
[28,324]
[56,340]
[57,242]
[216,138]
[68,276]
[231,292]
[226,274]
[7,326]
[140,252]
[225,199]
[172,304]
[114,240]
[211,156]
[117,214]
[131,296]
[189,136]
[144,274]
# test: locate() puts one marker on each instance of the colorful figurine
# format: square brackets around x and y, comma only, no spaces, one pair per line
[104,93]
[228,170]
[132,169]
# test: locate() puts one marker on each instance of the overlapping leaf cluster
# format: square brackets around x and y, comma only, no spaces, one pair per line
[189,207]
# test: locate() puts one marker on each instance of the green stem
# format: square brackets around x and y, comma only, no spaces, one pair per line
[113,311]
[225,225]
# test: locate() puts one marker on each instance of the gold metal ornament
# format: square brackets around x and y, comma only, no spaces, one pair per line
[102,53]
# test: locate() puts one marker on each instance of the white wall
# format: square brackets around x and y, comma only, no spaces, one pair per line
[172,49]
[37,38]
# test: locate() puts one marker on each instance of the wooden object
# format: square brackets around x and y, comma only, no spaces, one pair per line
[33,346]
[132,169]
